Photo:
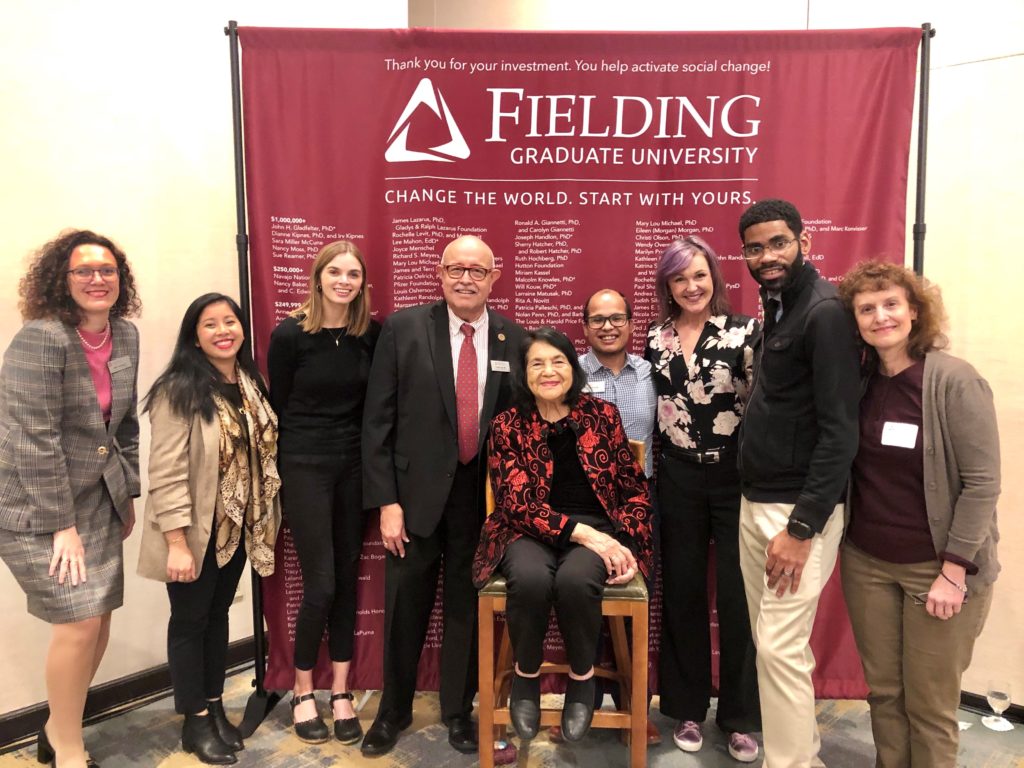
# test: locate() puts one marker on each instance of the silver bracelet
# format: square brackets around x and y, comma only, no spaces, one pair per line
[961,587]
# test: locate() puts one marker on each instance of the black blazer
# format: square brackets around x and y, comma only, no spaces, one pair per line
[410,435]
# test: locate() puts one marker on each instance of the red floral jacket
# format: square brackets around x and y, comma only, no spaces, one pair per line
[521,466]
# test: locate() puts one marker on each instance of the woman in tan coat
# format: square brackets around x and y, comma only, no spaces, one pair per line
[213,499]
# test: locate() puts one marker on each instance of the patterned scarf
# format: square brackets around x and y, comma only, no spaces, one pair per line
[248,478]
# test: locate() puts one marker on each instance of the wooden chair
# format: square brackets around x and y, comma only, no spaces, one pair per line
[630,671]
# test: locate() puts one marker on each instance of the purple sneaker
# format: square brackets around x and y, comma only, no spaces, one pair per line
[742,747]
[688,736]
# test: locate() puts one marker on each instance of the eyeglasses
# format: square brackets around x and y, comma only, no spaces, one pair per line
[456,271]
[921,598]
[776,245]
[596,322]
[85,274]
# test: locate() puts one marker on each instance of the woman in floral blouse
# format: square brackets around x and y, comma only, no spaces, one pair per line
[701,356]
[572,513]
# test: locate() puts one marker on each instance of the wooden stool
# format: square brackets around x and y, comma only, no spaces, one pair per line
[630,671]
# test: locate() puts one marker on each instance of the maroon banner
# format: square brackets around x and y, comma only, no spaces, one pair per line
[577,157]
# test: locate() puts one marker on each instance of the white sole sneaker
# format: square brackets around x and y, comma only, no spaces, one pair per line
[688,746]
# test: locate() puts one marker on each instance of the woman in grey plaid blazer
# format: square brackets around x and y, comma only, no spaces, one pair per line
[69,462]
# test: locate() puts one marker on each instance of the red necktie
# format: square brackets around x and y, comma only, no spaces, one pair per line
[467,387]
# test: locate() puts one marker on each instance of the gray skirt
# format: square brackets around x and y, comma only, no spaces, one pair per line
[28,556]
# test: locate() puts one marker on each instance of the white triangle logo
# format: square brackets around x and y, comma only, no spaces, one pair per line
[429,96]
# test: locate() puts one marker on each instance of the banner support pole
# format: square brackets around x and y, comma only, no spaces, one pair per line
[927,33]
[260,702]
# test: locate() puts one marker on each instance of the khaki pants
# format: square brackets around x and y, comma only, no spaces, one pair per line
[782,632]
[913,662]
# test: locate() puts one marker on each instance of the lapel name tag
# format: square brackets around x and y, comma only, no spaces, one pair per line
[501,366]
[597,387]
[899,435]
[119,364]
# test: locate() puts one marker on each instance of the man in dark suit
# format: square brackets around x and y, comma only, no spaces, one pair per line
[440,373]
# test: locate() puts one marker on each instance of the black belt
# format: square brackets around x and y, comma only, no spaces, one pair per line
[712,456]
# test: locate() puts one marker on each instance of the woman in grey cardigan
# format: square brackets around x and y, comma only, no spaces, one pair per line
[69,463]
[920,553]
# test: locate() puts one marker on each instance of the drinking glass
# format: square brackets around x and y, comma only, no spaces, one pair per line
[998,695]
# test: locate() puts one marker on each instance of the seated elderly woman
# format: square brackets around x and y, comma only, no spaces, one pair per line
[920,553]
[572,515]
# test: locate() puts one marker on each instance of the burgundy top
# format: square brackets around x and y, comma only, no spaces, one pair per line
[97,360]
[889,519]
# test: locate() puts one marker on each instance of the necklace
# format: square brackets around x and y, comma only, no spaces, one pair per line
[337,339]
[94,347]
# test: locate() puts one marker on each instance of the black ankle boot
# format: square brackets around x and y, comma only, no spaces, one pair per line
[228,733]
[524,705]
[199,737]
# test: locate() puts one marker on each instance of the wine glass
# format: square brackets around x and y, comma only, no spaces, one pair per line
[998,696]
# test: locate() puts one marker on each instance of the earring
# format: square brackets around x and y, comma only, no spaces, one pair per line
[318,288]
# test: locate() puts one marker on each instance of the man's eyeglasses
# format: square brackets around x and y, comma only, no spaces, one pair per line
[776,245]
[596,322]
[456,271]
[84,274]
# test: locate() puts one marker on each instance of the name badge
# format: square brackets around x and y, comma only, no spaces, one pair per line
[501,366]
[899,435]
[597,387]
[119,364]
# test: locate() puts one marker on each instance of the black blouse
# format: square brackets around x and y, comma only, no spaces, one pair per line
[318,385]
[700,400]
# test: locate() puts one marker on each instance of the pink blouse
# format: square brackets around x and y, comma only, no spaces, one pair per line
[97,360]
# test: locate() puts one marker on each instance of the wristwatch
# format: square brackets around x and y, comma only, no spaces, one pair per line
[798,529]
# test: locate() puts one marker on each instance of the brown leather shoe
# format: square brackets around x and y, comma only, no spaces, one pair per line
[653,735]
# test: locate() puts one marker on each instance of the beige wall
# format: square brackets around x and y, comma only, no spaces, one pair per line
[118,118]
[975,164]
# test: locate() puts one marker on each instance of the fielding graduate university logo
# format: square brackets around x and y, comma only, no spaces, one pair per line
[427,129]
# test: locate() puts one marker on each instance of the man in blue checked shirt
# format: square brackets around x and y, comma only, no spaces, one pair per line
[615,375]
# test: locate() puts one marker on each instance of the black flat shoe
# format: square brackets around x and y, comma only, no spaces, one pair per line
[579,708]
[462,734]
[524,706]
[228,733]
[45,753]
[382,736]
[199,737]
[348,730]
[310,731]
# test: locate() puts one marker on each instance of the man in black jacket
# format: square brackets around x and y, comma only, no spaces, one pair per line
[440,372]
[797,441]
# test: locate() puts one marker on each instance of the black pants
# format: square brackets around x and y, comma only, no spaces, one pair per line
[700,502]
[541,576]
[322,500]
[197,634]
[410,586]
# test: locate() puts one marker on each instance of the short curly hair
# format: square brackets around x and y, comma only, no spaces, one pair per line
[926,332]
[44,289]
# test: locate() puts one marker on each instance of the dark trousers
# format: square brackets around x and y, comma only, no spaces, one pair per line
[698,503]
[410,586]
[321,497]
[197,634]
[540,576]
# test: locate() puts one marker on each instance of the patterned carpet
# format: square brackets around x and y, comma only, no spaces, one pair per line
[149,737]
